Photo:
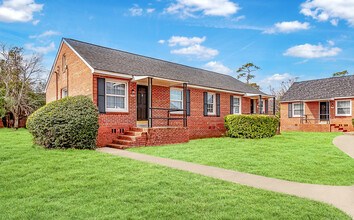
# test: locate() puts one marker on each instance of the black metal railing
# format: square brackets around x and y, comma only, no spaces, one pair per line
[316,118]
[168,118]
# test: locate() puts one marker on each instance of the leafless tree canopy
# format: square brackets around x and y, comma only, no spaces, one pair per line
[278,93]
[19,75]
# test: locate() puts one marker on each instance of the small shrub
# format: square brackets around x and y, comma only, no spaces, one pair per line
[251,126]
[353,121]
[71,122]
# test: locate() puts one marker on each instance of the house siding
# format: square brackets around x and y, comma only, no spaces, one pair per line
[312,108]
[80,76]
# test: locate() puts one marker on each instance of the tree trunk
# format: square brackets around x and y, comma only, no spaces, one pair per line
[16,118]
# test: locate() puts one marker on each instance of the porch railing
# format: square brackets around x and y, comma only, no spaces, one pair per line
[316,118]
[168,118]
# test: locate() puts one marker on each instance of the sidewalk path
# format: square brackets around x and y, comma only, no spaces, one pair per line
[341,197]
[345,143]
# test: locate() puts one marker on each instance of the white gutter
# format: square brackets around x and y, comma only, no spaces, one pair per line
[316,100]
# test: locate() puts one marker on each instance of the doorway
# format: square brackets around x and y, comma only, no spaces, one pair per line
[324,111]
[142,100]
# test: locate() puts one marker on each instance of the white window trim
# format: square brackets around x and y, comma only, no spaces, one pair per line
[240,105]
[293,109]
[174,100]
[214,103]
[350,107]
[62,90]
[262,110]
[126,97]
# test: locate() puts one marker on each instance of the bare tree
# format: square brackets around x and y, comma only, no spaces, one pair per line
[18,75]
[278,93]
[245,71]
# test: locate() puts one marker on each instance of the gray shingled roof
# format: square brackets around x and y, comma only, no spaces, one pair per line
[107,59]
[321,89]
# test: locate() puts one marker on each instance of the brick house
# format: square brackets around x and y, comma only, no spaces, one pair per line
[325,105]
[144,101]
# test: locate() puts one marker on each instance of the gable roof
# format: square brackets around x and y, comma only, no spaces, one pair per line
[112,60]
[329,88]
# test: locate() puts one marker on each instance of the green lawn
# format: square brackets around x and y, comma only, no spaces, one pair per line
[307,157]
[70,184]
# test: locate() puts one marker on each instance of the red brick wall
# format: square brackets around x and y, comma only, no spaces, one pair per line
[162,136]
[312,108]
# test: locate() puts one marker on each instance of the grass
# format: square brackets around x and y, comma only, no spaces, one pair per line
[79,184]
[307,157]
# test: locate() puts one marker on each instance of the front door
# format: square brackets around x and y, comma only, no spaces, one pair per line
[324,111]
[142,100]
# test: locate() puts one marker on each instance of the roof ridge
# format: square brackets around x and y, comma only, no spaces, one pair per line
[332,77]
[149,57]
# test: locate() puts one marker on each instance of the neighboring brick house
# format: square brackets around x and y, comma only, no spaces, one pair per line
[145,101]
[319,105]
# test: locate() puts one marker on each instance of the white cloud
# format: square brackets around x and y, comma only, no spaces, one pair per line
[161,41]
[239,18]
[35,22]
[218,67]
[288,27]
[185,41]
[207,7]
[136,10]
[312,51]
[200,51]
[18,10]
[323,10]
[277,77]
[41,50]
[150,10]
[45,34]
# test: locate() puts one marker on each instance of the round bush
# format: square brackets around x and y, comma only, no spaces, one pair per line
[251,126]
[71,122]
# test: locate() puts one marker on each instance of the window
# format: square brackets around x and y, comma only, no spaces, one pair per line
[343,108]
[237,106]
[263,107]
[298,109]
[64,63]
[211,103]
[116,96]
[64,92]
[176,99]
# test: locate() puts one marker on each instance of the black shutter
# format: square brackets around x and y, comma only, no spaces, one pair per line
[266,106]
[188,107]
[231,104]
[290,110]
[302,109]
[101,95]
[205,103]
[217,104]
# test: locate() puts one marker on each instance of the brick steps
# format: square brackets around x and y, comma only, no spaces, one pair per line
[132,138]
[338,128]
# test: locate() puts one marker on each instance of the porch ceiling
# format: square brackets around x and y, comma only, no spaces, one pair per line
[143,80]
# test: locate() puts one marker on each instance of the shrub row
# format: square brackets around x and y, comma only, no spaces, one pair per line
[251,126]
[71,122]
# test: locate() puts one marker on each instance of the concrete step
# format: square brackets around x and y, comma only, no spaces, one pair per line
[133,133]
[139,129]
[124,142]
[118,146]
[127,137]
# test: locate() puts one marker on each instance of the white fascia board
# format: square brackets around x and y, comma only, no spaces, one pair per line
[125,76]
[213,89]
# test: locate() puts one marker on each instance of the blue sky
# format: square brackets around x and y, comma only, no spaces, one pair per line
[307,39]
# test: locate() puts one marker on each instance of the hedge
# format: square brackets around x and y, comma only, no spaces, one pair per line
[251,126]
[353,121]
[71,122]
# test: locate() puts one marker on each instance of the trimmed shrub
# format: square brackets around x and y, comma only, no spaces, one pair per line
[353,121]
[251,126]
[71,122]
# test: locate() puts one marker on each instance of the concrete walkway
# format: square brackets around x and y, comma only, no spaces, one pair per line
[341,197]
[345,143]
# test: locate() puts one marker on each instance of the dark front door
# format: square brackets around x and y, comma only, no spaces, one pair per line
[324,111]
[252,106]
[142,100]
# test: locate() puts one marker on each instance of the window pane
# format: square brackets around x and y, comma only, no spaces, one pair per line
[297,112]
[236,110]
[115,88]
[343,111]
[210,108]
[297,106]
[210,98]
[175,95]
[115,102]
[175,105]
[343,104]
[236,101]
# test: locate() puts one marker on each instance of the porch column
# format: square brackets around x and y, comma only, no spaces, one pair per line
[185,104]
[260,104]
[273,105]
[149,102]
